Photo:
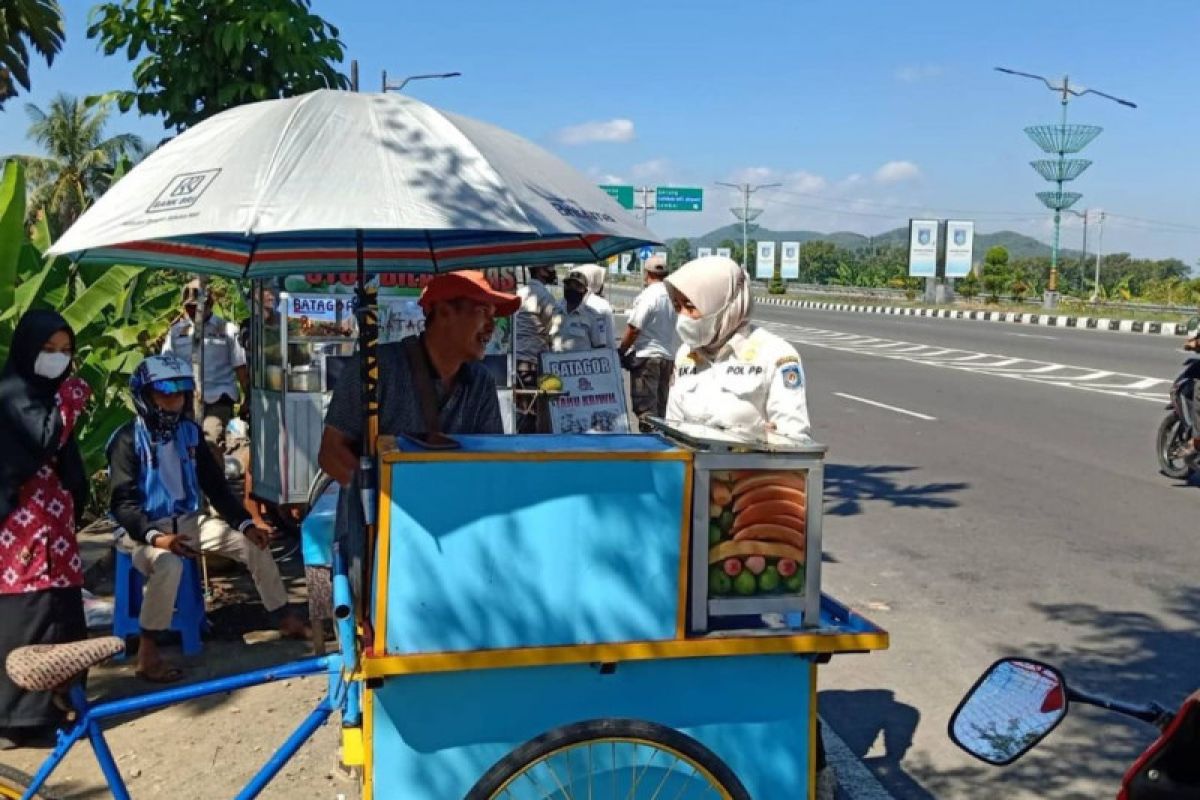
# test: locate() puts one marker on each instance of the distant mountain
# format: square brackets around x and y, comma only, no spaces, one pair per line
[1018,244]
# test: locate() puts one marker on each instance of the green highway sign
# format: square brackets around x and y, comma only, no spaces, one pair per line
[674,198]
[622,194]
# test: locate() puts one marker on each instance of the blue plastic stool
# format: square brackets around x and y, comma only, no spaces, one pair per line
[189,619]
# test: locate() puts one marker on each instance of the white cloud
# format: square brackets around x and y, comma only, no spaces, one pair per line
[913,73]
[897,171]
[654,169]
[613,130]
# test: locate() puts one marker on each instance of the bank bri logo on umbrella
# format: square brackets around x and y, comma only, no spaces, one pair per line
[183,191]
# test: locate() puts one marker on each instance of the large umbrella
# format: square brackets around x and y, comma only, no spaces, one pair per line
[361,182]
[319,181]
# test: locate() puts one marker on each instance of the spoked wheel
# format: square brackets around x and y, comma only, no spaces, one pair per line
[13,784]
[1172,438]
[624,758]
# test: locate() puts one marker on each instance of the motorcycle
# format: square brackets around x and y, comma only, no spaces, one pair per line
[1176,431]
[1018,702]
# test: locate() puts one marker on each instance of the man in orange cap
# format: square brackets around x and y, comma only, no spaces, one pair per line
[432,383]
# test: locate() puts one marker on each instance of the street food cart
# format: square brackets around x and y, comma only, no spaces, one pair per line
[303,335]
[616,599]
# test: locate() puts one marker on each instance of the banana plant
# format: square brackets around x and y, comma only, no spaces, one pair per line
[117,313]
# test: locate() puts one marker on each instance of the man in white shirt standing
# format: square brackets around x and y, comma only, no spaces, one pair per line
[226,376]
[595,298]
[648,348]
[531,328]
[577,326]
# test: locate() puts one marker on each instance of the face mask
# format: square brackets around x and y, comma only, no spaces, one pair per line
[696,332]
[51,365]
[573,296]
[162,423]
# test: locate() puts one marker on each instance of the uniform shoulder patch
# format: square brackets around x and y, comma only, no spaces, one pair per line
[793,378]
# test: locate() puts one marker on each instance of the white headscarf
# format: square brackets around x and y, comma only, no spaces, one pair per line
[716,285]
[595,275]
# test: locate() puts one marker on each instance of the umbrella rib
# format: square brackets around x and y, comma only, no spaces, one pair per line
[432,254]
[250,257]
[588,245]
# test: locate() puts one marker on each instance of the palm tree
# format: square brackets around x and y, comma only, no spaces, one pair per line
[38,22]
[79,162]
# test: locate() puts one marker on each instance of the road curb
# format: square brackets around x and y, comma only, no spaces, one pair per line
[1102,324]
[855,781]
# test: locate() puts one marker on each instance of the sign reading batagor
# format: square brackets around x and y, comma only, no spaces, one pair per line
[593,398]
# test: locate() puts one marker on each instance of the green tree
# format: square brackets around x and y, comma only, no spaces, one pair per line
[819,261]
[205,56]
[967,286]
[995,273]
[679,253]
[79,161]
[1018,283]
[23,24]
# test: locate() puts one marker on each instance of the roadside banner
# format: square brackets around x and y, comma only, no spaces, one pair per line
[960,248]
[764,267]
[789,261]
[725,252]
[922,248]
[703,252]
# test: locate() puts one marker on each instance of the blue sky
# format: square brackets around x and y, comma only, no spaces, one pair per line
[868,112]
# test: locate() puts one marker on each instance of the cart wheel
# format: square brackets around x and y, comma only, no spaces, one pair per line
[13,784]
[624,758]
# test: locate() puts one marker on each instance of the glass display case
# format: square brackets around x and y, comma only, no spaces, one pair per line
[300,343]
[756,538]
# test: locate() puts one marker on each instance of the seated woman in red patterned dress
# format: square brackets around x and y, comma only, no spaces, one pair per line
[43,489]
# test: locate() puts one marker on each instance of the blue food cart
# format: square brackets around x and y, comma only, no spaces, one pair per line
[597,615]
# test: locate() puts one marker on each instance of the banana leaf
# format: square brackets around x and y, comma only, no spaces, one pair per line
[92,300]
[12,233]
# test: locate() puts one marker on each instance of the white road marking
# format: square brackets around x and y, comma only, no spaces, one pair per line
[1031,336]
[877,404]
[1088,379]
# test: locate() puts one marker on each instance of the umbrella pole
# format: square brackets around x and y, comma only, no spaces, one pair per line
[368,339]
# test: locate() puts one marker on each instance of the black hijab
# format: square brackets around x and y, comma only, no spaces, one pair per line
[30,424]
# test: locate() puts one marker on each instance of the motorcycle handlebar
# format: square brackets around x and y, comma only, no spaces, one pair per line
[1152,712]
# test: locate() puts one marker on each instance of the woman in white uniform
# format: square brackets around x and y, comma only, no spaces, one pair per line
[733,375]
[729,373]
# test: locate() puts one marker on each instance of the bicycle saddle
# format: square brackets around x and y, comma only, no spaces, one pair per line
[43,667]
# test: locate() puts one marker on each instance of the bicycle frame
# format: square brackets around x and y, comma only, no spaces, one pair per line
[91,716]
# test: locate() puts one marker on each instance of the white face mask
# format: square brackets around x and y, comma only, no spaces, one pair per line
[51,365]
[696,333]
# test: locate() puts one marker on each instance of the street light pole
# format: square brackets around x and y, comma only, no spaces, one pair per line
[396,87]
[1099,249]
[747,189]
[1083,257]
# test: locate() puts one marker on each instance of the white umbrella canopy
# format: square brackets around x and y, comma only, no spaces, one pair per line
[306,183]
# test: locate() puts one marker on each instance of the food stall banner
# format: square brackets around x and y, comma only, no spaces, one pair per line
[593,392]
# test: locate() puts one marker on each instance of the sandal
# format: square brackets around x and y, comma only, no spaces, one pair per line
[160,674]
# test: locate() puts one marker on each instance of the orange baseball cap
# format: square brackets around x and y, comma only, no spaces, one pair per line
[467,284]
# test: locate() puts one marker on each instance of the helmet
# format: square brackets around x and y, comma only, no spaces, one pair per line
[168,374]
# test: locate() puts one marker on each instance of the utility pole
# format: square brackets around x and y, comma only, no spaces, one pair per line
[1099,250]
[354,76]
[746,215]
[644,206]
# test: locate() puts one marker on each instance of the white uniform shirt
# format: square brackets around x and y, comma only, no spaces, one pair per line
[654,317]
[223,354]
[605,309]
[533,320]
[756,379]
[585,328]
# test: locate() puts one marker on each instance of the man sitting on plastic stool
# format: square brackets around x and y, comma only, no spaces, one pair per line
[161,475]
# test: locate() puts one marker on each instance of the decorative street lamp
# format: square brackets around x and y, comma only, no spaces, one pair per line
[1060,141]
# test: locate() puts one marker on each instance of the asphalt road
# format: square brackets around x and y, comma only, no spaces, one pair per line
[992,490]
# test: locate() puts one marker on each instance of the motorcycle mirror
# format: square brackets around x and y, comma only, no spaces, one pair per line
[1012,707]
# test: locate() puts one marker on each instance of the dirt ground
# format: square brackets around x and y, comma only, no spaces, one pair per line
[208,748]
